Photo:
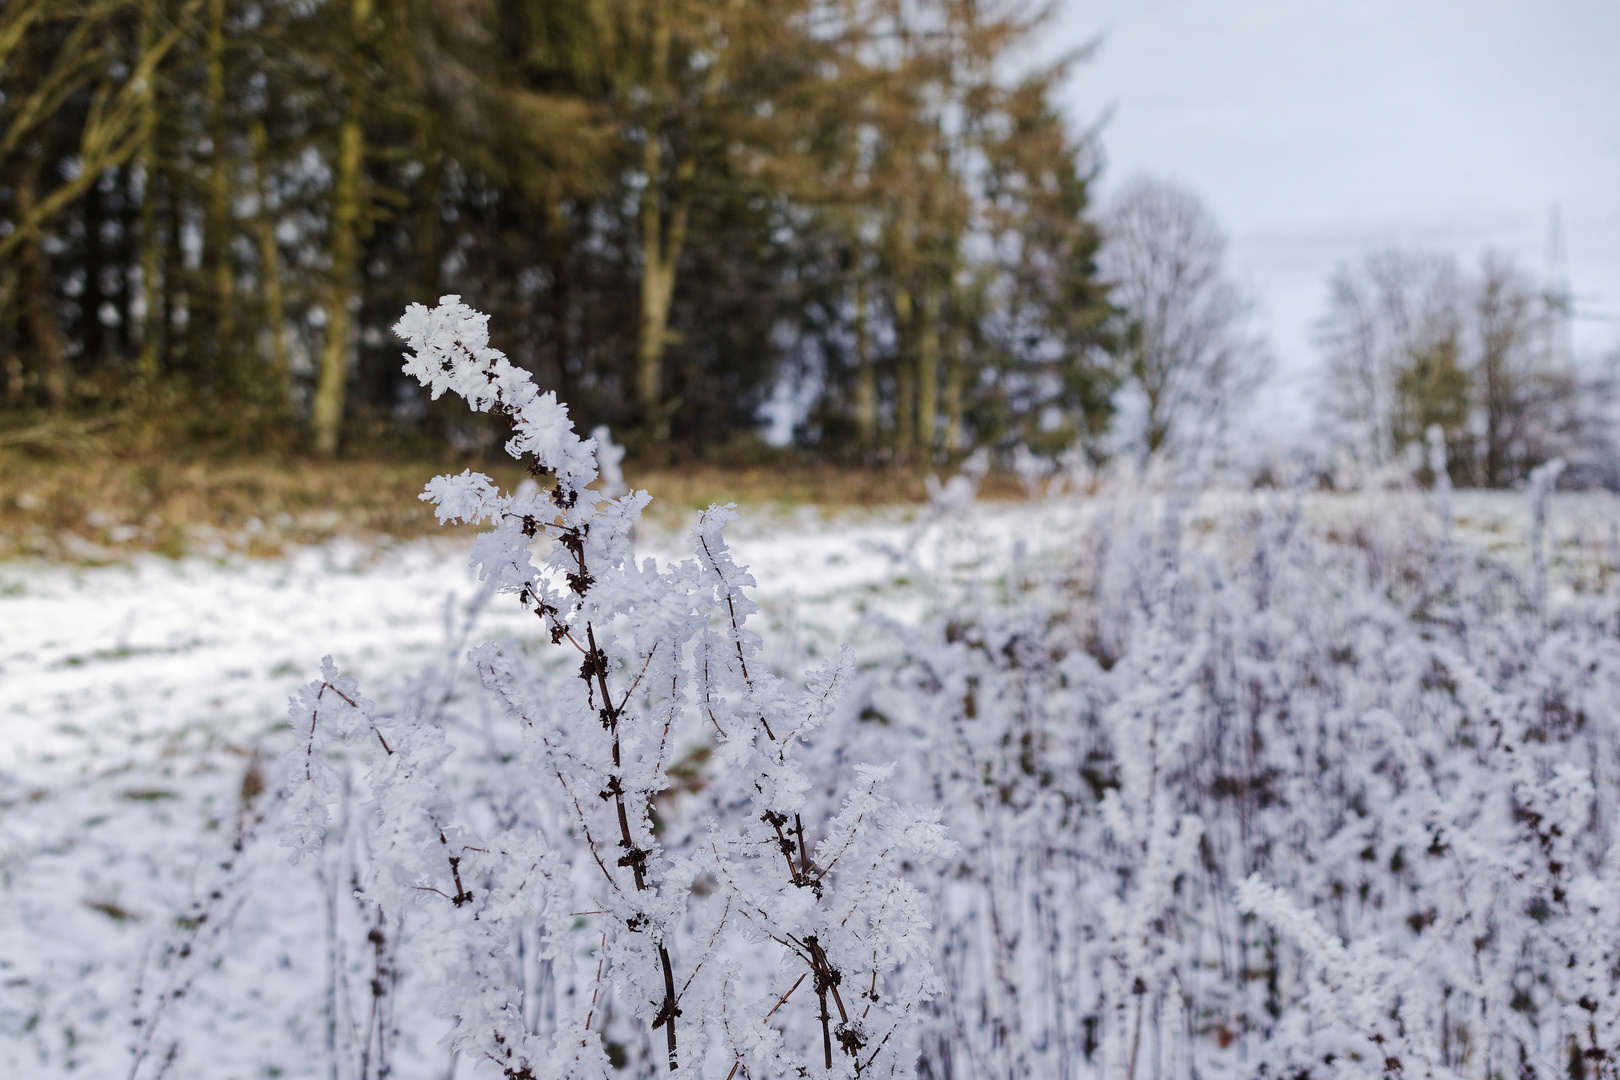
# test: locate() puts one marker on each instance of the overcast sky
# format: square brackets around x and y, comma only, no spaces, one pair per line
[1318,132]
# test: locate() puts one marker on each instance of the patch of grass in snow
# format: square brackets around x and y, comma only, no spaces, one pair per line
[124,652]
[111,910]
[149,795]
[107,504]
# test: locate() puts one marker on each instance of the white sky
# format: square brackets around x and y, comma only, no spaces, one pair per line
[1318,132]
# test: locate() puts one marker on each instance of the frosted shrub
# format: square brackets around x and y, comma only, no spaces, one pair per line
[767,928]
[1245,785]
[1269,798]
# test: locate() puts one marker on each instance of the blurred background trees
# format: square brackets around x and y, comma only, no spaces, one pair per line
[215,209]
[1414,342]
[867,222]
[1185,342]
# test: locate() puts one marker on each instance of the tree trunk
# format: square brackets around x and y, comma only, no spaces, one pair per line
[955,373]
[928,374]
[865,377]
[662,236]
[659,242]
[439,416]
[120,255]
[270,274]
[38,305]
[905,404]
[93,333]
[129,229]
[1156,422]
[217,225]
[661,245]
[176,281]
[326,417]
[654,305]
[147,367]
[427,212]
[559,299]
[8,339]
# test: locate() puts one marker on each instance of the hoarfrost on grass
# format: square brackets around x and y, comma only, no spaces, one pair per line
[1237,784]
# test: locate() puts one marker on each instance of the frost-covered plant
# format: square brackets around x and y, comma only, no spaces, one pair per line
[1271,795]
[1252,784]
[702,925]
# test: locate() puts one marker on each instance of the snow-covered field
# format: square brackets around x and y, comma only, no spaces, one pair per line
[150,923]
[94,660]
[137,699]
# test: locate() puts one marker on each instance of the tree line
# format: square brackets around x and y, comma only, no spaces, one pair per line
[668,206]
[214,210]
[1420,350]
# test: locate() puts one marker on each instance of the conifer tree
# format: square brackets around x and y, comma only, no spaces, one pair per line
[673,208]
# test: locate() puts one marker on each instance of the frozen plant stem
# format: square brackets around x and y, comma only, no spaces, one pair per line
[664,657]
[509,392]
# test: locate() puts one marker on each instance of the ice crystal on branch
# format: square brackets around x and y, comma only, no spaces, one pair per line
[701,924]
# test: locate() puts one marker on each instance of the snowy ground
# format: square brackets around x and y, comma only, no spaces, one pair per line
[138,703]
[139,712]
[95,658]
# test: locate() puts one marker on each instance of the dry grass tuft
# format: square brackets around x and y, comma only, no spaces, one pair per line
[98,509]
[94,505]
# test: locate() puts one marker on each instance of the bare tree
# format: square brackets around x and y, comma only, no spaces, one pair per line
[1532,404]
[1186,342]
[1392,336]
[1411,343]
